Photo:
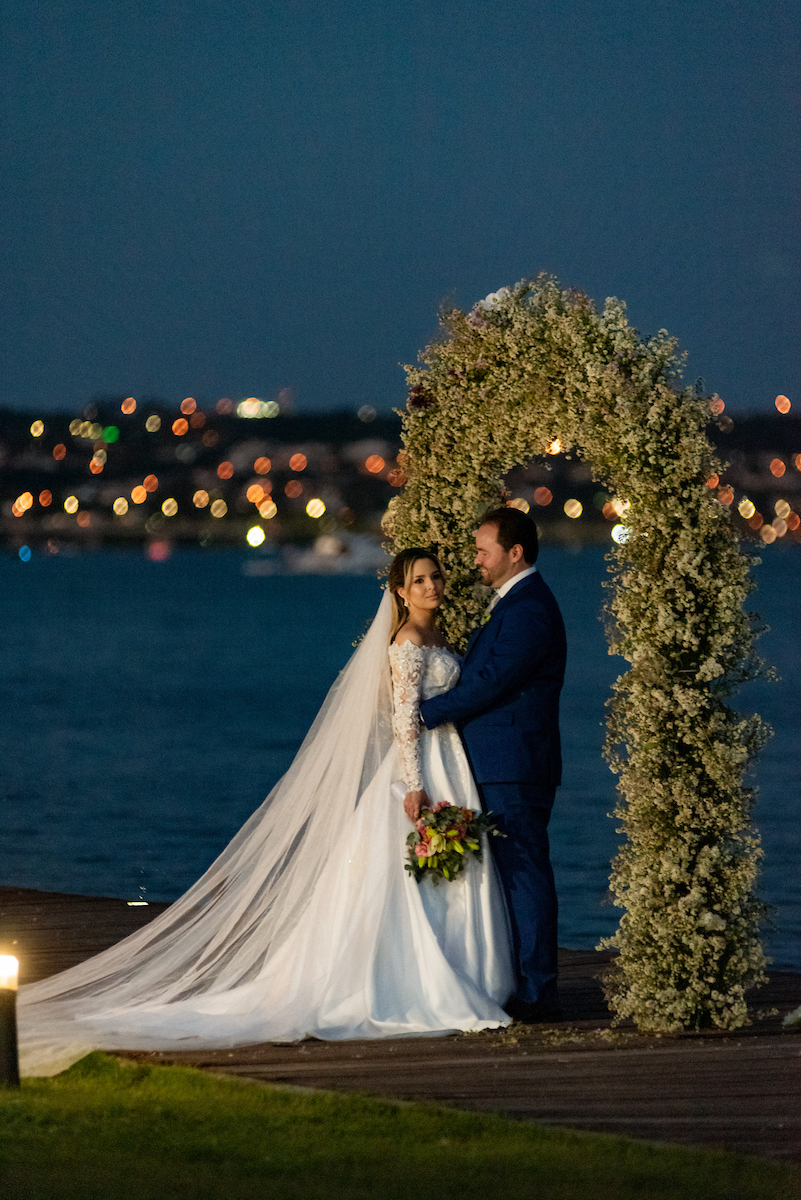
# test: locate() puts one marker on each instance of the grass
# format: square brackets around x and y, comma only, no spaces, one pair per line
[108,1130]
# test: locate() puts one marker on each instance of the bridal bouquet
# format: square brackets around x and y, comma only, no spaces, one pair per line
[443,838]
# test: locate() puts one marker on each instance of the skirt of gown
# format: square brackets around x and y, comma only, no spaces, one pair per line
[374,954]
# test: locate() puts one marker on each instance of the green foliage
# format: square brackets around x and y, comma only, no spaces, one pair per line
[532,364]
[105,1131]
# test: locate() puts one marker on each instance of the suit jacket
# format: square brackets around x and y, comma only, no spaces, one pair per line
[506,703]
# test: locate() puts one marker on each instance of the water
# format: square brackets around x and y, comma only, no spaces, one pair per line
[149,707]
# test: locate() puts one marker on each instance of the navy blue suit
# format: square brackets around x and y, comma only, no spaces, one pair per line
[506,708]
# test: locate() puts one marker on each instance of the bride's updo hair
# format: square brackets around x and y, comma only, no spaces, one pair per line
[400,574]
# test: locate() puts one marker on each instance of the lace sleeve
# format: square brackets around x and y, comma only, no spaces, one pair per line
[407,663]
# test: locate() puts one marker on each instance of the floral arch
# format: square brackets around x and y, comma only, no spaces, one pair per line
[524,367]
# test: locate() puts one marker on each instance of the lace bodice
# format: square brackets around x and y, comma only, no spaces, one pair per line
[418,672]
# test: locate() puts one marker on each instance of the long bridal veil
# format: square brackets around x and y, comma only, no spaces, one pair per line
[225,930]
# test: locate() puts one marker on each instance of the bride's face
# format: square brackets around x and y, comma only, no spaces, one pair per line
[426,586]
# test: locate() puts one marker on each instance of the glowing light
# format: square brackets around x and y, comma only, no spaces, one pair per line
[609,511]
[793,521]
[293,489]
[188,406]
[713,481]
[268,510]
[111,434]
[396,477]
[25,501]
[726,494]
[25,555]
[96,466]
[716,406]
[169,507]
[75,427]
[150,483]
[315,508]
[520,503]
[71,504]
[797,461]
[253,407]
[46,498]
[59,452]
[255,535]
[180,427]
[768,534]
[262,466]
[225,470]
[153,424]
[543,496]
[374,464]
[746,508]
[782,509]
[219,508]
[9,965]
[777,468]
[157,552]
[139,494]
[297,462]
[37,429]
[555,447]
[757,521]
[200,499]
[255,493]
[780,526]
[366,413]
[620,534]
[783,404]
[84,519]
[224,406]
[573,508]
[95,431]
[128,406]
[100,455]
[16,510]
[120,506]
[197,420]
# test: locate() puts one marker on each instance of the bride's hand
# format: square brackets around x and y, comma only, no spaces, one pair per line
[414,802]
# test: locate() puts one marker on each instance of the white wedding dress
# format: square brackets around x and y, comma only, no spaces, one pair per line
[308,924]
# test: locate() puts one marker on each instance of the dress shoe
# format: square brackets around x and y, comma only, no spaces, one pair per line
[538,1013]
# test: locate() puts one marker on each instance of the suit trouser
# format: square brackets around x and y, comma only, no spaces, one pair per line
[522,812]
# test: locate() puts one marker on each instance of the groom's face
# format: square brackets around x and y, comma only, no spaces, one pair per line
[495,565]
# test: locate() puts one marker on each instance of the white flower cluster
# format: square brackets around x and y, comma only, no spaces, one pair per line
[532,363]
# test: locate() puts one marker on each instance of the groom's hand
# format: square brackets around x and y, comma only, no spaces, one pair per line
[414,802]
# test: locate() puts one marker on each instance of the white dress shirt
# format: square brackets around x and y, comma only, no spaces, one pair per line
[507,587]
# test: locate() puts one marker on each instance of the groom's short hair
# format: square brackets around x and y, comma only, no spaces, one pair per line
[514,529]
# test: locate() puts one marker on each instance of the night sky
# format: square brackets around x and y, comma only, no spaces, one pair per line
[230,197]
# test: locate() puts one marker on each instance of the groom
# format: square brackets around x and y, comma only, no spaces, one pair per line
[506,707]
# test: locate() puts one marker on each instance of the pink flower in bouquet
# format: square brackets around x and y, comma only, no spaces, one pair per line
[422,850]
[439,807]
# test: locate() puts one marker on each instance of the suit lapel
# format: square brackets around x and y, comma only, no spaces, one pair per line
[475,635]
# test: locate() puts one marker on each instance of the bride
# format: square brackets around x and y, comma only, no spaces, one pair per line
[308,925]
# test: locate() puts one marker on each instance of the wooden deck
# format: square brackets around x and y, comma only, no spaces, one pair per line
[737,1090]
